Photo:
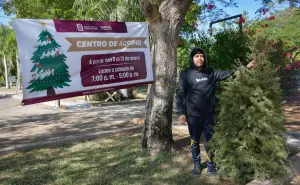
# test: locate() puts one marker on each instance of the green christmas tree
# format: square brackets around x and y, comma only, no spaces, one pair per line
[249,141]
[49,69]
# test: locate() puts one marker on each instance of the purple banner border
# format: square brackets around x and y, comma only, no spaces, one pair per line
[79,26]
[79,93]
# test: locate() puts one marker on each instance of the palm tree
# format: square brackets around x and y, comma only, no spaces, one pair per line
[4,31]
[11,43]
[110,10]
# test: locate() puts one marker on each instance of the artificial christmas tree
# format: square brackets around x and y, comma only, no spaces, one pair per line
[249,141]
[49,70]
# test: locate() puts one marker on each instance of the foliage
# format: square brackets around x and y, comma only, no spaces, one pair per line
[114,10]
[4,49]
[8,47]
[39,9]
[11,43]
[183,57]
[190,24]
[4,32]
[229,46]
[284,58]
[213,9]
[283,26]
[223,49]
[2,79]
[289,78]
[249,140]
[292,3]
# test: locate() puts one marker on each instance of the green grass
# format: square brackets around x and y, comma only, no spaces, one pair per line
[112,160]
[141,89]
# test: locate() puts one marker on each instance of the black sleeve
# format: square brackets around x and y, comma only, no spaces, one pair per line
[181,94]
[223,75]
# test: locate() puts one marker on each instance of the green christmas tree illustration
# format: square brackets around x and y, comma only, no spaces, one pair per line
[49,69]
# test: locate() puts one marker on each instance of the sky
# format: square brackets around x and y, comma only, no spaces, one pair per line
[4,18]
[250,6]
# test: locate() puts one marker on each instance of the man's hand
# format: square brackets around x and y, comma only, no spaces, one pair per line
[251,64]
[182,120]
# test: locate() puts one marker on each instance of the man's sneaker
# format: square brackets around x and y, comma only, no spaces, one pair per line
[211,169]
[196,170]
[213,173]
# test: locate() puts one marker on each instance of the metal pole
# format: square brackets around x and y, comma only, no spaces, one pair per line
[225,19]
[58,104]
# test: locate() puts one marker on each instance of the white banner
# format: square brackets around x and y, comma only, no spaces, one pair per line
[61,58]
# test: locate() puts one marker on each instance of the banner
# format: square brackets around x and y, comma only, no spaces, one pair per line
[62,59]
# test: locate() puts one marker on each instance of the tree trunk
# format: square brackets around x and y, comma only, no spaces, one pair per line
[157,134]
[19,72]
[158,122]
[6,72]
[50,91]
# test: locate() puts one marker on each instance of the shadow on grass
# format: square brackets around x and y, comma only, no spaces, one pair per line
[111,160]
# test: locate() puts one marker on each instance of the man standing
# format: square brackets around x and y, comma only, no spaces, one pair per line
[195,102]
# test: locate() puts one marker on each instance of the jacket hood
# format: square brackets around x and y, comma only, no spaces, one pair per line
[193,52]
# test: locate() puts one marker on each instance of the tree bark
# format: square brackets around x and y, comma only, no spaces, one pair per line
[6,72]
[167,19]
[19,72]
[50,91]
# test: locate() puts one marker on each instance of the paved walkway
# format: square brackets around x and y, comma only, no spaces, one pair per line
[36,123]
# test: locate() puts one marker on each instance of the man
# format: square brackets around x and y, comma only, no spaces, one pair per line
[195,102]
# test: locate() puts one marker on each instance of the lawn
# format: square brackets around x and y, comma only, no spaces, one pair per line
[110,160]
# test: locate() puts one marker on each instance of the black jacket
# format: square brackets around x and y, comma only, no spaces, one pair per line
[196,91]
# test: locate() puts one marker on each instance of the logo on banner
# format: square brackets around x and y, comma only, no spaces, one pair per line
[107,28]
[79,27]
[90,26]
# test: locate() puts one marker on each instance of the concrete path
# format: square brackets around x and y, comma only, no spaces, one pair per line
[7,102]
[22,126]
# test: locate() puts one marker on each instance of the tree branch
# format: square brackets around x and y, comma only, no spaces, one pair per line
[149,9]
[159,2]
[184,5]
[167,7]
[296,55]
[174,9]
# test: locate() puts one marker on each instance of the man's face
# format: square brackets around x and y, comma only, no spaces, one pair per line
[199,60]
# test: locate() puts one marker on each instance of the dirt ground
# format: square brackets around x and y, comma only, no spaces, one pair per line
[292,115]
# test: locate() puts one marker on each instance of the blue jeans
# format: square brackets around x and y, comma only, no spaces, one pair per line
[197,125]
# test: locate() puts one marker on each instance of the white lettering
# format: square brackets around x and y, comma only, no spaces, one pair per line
[89,44]
[131,42]
[84,44]
[201,79]
[79,44]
